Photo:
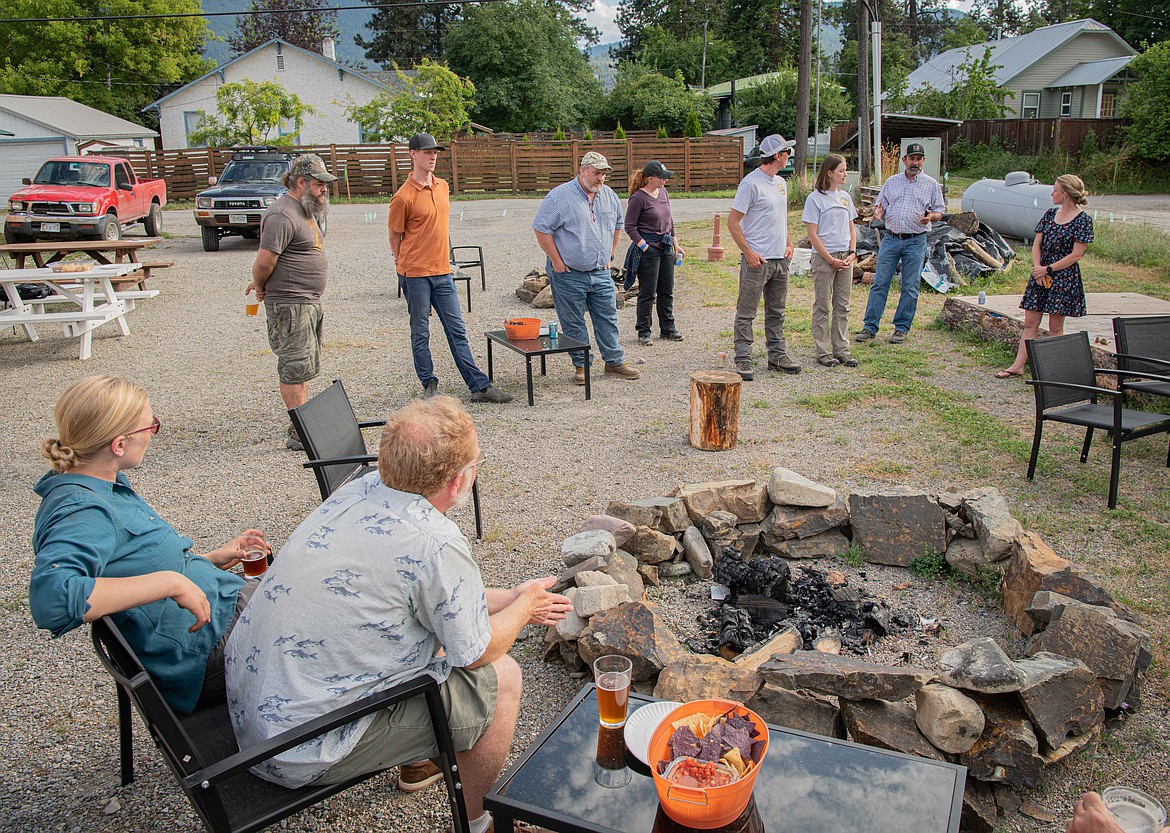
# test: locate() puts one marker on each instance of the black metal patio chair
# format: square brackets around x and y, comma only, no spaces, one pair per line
[1065,383]
[332,437]
[460,266]
[212,770]
[1143,346]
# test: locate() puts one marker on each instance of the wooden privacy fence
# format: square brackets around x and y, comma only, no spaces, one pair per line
[471,166]
[1024,136]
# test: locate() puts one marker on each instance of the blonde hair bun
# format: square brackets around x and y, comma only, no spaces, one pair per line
[1074,186]
[61,458]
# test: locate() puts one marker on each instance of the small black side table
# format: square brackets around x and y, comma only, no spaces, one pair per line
[542,346]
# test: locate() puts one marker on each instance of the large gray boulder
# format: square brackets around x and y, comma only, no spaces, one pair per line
[789,488]
[896,525]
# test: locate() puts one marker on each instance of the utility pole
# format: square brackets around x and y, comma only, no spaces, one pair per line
[817,119]
[864,149]
[877,99]
[703,79]
[803,83]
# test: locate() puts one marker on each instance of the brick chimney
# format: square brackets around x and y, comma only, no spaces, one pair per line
[327,49]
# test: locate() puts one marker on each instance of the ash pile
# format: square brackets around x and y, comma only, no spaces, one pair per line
[764,599]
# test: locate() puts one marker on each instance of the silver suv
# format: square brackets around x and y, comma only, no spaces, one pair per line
[248,185]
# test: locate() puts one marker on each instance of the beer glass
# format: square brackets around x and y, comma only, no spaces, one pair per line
[612,675]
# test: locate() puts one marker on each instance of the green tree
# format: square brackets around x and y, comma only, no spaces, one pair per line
[1145,104]
[772,104]
[434,100]
[528,72]
[560,136]
[973,95]
[618,132]
[965,31]
[118,66]
[248,112]
[404,32]
[646,99]
[669,54]
[692,128]
[897,63]
[305,28]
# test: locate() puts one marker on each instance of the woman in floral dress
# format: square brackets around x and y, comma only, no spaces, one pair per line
[1055,285]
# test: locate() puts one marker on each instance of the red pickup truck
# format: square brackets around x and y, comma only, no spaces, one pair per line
[75,197]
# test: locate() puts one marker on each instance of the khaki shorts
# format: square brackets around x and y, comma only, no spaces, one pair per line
[402,734]
[294,333]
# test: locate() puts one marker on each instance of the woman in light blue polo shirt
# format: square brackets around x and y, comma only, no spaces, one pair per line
[828,217]
[101,550]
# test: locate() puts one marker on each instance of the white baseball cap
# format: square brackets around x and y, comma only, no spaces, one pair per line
[774,144]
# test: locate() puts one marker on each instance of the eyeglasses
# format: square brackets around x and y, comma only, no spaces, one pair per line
[479,461]
[152,428]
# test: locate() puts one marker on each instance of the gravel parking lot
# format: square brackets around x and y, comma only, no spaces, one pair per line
[219,465]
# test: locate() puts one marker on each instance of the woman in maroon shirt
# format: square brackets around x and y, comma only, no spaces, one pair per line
[652,249]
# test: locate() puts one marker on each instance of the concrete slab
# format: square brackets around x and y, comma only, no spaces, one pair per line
[1102,308]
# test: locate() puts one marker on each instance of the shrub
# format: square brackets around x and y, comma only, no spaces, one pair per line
[692,127]
[559,136]
[619,133]
[588,137]
[662,134]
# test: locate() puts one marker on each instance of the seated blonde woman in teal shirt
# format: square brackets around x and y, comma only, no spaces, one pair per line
[101,550]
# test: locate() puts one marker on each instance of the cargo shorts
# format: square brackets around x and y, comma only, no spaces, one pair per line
[402,733]
[294,333]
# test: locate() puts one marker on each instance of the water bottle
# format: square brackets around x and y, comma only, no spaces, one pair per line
[982,297]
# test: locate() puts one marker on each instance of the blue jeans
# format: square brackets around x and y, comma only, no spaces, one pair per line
[572,293]
[438,291]
[911,252]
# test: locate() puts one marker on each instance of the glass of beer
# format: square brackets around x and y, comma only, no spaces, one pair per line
[255,562]
[612,675]
[251,303]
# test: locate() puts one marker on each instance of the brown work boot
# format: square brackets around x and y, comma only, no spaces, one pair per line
[579,375]
[623,370]
[419,776]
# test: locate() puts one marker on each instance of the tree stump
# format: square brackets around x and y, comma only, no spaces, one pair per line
[715,409]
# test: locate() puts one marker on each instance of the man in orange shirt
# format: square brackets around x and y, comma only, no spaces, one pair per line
[419,227]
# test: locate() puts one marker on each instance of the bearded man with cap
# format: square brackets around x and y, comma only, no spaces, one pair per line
[908,203]
[289,276]
[758,223]
[419,226]
[577,227]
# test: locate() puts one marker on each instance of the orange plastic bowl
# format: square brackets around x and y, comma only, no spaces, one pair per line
[703,808]
[519,329]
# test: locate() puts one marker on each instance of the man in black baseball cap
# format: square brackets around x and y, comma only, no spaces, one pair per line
[424,141]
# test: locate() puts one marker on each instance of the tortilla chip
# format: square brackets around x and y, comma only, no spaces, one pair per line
[734,760]
[699,723]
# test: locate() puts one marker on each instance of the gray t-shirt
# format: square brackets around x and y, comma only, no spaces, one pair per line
[763,202]
[301,266]
[832,211]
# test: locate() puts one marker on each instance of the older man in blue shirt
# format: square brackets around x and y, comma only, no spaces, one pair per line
[578,226]
[908,204]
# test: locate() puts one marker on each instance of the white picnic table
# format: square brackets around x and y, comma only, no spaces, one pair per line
[89,300]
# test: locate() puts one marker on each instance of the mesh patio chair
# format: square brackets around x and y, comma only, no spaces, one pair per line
[212,770]
[332,437]
[1143,346]
[1064,381]
[460,264]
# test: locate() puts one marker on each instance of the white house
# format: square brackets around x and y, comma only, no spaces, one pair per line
[34,128]
[1071,70]
[316,78]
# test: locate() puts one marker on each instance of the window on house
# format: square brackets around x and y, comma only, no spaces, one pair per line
[280,62]
[1066,104]
[1107,105]
[1030,108]
[192,121]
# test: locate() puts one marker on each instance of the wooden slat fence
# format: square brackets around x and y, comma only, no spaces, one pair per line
[472,166]
[1023,136]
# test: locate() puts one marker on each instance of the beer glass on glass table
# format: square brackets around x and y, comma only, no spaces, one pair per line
[612,676]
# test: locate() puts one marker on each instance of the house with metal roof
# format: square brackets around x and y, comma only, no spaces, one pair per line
[1070,70]
[34,128]
[315,77]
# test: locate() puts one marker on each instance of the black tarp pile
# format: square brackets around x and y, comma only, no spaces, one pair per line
[942,240]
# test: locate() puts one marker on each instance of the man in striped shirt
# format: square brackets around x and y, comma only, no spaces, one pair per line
[908,203]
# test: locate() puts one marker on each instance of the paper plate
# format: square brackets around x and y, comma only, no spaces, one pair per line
[640,725]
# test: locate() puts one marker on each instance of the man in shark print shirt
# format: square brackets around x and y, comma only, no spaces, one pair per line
[372,589]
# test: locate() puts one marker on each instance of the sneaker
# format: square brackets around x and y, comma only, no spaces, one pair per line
[849,361]
[623,370]
[785,364]
[579,375]
[898,337]
[828,361]
[645,340]
[293,442]
[744,369]
[415,777]
[431,389]
[865,335]
[673,337]
[491,394]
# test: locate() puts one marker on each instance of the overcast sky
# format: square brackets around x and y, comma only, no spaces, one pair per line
[603,14]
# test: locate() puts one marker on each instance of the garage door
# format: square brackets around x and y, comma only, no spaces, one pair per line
[21,158]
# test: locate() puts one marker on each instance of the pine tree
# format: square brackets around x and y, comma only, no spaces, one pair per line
[693,128]
[619,133]
[662,134]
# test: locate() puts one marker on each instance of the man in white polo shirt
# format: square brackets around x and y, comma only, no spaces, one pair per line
[758,224]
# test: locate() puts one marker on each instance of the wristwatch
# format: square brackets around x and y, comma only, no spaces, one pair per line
[1048,269]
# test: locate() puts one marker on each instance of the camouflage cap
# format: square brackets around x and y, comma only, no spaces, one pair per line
[593,159]
[310,165]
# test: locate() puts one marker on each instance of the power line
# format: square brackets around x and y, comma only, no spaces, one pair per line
[253,12]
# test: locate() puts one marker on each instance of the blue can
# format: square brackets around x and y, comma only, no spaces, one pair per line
[552,329]
[678,259]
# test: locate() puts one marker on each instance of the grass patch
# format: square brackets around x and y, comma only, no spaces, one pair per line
[929,565]
[853,556]
[1134,243]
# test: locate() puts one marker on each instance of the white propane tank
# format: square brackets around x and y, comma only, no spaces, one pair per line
[1012,205]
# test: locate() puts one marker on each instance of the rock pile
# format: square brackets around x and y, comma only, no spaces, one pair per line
[534,289]
[1002,717]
